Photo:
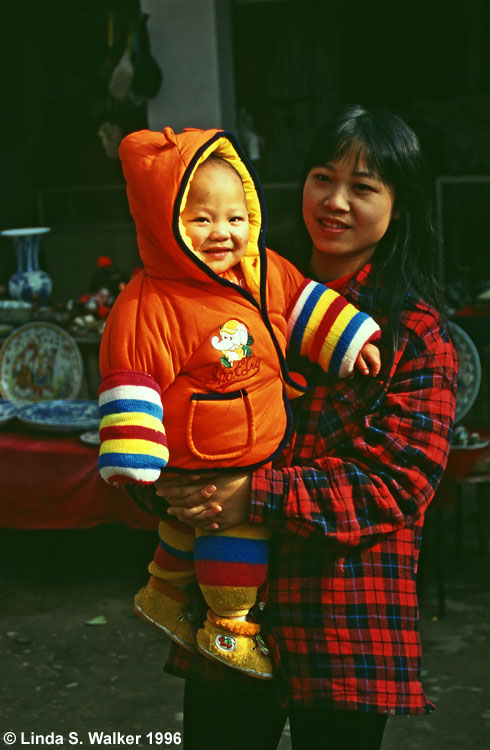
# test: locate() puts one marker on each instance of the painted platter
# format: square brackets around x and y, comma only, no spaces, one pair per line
[61,415]
[469,371]
[40,362]
[8,410]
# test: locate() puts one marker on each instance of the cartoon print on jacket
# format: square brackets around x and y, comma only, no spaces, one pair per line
[234,341]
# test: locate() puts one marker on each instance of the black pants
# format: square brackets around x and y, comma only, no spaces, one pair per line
[219,718]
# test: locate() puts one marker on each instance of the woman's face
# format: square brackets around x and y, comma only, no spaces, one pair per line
[347,210]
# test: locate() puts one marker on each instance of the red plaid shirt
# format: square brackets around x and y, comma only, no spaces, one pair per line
[347,506]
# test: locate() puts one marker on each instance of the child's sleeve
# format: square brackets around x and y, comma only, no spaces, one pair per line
[327,329]
[133,446]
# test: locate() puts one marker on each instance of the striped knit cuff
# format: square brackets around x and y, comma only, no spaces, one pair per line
[133,442]
[327,329]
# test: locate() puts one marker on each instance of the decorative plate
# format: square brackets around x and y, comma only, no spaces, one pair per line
[38,362]
[5,330]
[8,410]
[472,447]
[91,438]
[469,371]
[61,415]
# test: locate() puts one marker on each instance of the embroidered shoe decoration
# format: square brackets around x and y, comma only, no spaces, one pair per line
[225,642]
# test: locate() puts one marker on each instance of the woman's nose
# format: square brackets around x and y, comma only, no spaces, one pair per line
[337,200]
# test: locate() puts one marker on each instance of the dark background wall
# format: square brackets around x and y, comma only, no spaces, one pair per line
[428,61]
[293,62]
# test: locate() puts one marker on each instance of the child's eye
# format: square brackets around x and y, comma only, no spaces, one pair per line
[237,219]
[200,220]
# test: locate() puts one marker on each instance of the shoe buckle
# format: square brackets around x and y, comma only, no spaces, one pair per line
[260,644]
[189,615]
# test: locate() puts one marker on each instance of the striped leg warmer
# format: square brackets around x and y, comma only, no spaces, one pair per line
[174,555]
[230,567]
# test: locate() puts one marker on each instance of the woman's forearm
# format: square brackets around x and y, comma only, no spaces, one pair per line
[379,481]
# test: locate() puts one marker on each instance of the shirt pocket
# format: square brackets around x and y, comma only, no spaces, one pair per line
[220,426]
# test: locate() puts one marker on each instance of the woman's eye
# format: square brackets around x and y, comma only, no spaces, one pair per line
[364,187]
[321,177]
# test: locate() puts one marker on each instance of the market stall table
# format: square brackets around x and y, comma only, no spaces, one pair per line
[51,481]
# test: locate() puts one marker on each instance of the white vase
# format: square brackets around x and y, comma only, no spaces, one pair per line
[29,283]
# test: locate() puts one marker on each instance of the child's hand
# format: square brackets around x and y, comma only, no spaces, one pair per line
[368,360]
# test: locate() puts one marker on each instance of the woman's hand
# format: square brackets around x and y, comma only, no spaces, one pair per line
[198,501]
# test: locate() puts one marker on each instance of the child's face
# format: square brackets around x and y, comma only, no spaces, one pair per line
[347,210]
[216,218]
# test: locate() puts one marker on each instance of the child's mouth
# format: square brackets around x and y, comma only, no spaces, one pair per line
[218,252]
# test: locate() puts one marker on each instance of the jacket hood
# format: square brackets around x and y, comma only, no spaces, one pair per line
[158,168]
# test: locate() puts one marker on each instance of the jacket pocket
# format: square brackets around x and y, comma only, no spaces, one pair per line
[220,426]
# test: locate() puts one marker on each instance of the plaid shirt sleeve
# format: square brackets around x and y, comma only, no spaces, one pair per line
[354,477]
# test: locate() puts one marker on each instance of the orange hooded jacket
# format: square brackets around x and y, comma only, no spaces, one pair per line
[204,352]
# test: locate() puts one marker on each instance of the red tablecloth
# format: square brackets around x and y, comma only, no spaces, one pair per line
[51,481]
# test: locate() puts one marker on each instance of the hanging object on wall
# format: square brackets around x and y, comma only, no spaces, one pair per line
[29,283]
[110,134]
[135,78]
[122,77]
[252,141]
[148,77]
[109,59]
[137,74]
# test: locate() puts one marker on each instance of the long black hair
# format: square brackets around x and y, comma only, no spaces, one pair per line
[409,257]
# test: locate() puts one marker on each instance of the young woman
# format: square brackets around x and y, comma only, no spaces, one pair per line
[347,502]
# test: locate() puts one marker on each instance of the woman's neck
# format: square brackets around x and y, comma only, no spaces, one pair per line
[328,267]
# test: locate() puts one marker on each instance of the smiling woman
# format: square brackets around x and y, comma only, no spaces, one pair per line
[347,210]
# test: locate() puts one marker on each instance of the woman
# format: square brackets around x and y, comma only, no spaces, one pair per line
[347,502]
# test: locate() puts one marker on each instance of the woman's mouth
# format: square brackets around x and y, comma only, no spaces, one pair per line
[333,224]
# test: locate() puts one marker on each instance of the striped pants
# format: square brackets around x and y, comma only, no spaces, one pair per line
[229,566]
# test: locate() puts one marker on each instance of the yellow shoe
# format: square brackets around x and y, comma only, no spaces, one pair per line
[167,608]
[237,644]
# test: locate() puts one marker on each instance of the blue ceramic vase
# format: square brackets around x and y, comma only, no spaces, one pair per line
[29,282]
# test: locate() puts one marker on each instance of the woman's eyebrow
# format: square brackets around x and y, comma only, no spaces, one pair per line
[365,173]
[356,172]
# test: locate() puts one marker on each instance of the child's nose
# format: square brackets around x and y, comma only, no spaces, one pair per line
[220,230]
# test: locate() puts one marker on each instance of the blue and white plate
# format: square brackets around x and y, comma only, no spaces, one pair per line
[63,415]
[8,410]
[91,437]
